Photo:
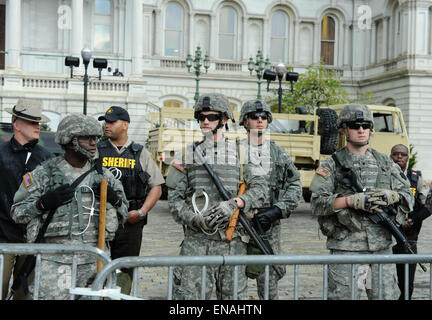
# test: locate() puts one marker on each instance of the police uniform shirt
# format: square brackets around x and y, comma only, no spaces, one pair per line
[147,163]
[422,188]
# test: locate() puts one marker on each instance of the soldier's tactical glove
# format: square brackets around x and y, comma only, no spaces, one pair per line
[200,222]
[266,216]
[224,211]
[361,201]
[112,196]
[383,198]
[53,199]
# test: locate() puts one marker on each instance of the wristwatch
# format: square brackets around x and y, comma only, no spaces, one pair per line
[141,214]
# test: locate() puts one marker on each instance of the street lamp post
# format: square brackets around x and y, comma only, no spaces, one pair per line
[259,65]
[98,63]
[86,56]
[196,63]
[280,70]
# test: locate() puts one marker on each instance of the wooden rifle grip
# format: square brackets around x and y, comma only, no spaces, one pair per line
[102,219]
[234,218]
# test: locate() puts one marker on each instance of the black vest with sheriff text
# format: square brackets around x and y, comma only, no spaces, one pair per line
[127,168]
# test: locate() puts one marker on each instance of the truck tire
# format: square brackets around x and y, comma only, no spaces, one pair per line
[328,130]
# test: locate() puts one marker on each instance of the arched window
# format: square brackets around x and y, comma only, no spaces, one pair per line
[279,36]
[102,25]
[328,40]
[173,29]
[227,33]
[172,104]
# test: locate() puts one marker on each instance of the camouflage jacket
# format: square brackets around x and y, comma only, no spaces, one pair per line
[283,178]
[72,223]
[349,229]
[186,179]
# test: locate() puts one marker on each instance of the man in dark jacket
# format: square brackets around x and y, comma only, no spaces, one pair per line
[132,164]
[18,156]
[412,225]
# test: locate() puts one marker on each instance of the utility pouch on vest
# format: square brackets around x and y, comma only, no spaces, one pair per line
[254,270]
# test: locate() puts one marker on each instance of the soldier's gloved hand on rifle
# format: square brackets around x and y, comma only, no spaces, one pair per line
[266,216]
[112,196]
[383,198]
[361,201]
[53,199]
[203,223]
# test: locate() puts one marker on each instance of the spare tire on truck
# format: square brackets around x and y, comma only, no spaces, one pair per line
[328,130]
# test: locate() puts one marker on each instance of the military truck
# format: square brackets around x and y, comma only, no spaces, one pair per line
[307,138]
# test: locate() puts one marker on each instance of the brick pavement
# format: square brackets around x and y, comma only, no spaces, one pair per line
[300,235]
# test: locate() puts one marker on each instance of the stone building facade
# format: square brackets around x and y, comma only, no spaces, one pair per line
[383,45]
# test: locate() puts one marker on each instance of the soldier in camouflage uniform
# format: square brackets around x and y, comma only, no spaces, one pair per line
[342,214]
[285,190]
[75,221]
[204,222]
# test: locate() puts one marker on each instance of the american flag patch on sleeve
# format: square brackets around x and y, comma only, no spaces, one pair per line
[178,165]
[322,172]
[28,180]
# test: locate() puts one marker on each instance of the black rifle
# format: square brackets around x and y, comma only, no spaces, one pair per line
[262,244]
[351,180]
[30,261]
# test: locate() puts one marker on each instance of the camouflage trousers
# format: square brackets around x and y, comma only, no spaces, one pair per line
[187,279]
[56,279]
[274,239]
[366,279]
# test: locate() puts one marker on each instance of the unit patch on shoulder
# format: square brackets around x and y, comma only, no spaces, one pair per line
[28,180]
[322,172]
[178,165]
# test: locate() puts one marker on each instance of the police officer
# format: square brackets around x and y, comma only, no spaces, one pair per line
[285,190]
[19,155]
[413,224]
[343,214]
[75,220]
[141,178]
[195,202]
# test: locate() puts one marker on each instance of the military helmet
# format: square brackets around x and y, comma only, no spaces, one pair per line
[213,102]
[77,125]
[252,106]
[354,112]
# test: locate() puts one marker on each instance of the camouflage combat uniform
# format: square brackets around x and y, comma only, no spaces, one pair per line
[350,231]
[189,178]
[73,223]
[285,190]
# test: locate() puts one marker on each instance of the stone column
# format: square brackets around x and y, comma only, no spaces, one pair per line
[13,29]
[77,27]
[373,49]
[137,37]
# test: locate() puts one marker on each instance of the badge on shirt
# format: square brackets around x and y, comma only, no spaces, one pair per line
[178,165]
[322,172]
[28,180]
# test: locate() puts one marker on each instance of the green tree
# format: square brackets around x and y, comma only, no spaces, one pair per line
[413,157]
[318,86]
[45,127]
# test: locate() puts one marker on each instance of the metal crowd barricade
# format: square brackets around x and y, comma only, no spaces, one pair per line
[295,260]
[39,249]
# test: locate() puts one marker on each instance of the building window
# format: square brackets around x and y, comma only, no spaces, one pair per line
[173,30]
[328,40]
[102,31]
[227,33]
[172,104]
[279,32]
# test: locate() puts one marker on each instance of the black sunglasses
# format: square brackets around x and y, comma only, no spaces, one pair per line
[357,125]
[256,115]
[210,117]
[403,154]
